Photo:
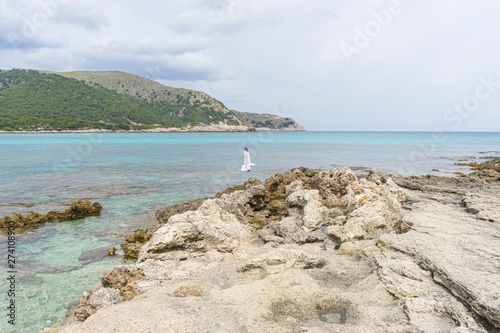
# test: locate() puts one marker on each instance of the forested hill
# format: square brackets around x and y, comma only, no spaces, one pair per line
[35,100]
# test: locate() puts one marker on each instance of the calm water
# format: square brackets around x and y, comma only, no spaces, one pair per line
[132,174]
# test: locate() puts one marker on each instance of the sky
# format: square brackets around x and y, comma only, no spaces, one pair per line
[389,65]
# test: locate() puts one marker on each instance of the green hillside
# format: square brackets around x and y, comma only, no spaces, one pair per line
[15,77]
[262,120]
[42,100]
[142,88]
[55,101]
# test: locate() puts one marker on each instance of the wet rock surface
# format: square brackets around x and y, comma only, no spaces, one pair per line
[338,254]
[77,209]
[489,171]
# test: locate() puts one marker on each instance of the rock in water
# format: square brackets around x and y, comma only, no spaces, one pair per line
[94,255]
[77,210]
[112,251]
[489,171]
[493,164]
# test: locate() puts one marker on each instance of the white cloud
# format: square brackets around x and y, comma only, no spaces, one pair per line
[263,56]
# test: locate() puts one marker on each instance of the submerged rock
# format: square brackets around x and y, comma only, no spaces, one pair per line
[94,255]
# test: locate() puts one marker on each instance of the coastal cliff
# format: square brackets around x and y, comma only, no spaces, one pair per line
[309,251]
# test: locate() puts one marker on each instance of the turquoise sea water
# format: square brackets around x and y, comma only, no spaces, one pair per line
[132,174]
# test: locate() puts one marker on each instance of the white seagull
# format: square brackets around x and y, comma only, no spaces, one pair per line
[247,165]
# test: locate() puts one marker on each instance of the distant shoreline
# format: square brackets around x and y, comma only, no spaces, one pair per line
[195,129]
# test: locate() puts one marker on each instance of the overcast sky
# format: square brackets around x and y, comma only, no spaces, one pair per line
[421,65]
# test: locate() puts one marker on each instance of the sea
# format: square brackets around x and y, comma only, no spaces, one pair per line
[133,174]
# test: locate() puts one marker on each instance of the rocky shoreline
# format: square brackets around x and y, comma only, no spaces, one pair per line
[194,129]
[309,251]
[77,209]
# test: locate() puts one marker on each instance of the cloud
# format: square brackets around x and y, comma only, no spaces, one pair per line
[262,56]
[91,18]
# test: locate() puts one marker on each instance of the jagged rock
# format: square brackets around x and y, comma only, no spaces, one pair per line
[215,225]
[269,236]
[98,298]
[112,251]
[295,186]
[335,181]
[77,210]
[378,210]
[249,183]
[104,297]
[131,250]
[134,241]
[276,185]
[258,220]
[164,213]
[493,164]
[308,172]
[259,197]
[123,278]
[373,173]
[279,260]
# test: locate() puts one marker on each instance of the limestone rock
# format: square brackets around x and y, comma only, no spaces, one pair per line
[98,298]
[306,171]
[123,278]
[343,259]
[131,250]
[189,290]
[104,297]
[375,210]
[275,186]
[334,181]
[280,260]
[164,213]
[215,225]
[485,207]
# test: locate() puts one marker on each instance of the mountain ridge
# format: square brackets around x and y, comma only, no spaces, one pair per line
[32,100]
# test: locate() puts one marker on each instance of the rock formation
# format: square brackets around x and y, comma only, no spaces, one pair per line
[489,170]
[77,209]
[338,253]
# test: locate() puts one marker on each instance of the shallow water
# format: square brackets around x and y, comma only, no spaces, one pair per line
[132,174]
